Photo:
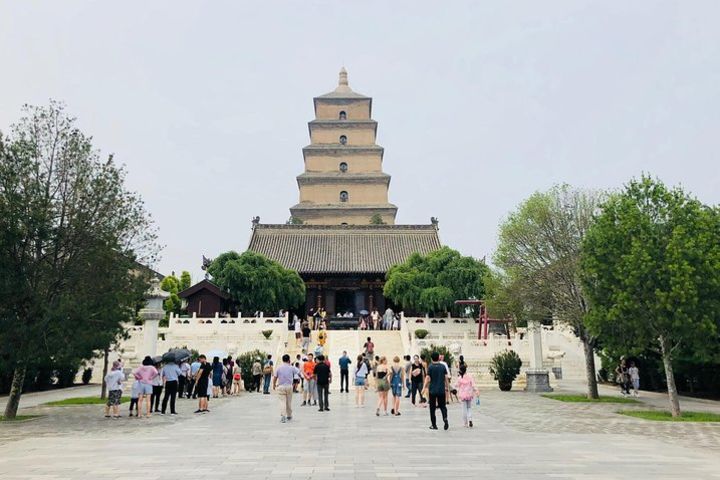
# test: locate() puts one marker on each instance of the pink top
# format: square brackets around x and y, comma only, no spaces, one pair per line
[146,373]
[466,387]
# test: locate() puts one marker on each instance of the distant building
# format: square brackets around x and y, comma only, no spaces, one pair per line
[205,299]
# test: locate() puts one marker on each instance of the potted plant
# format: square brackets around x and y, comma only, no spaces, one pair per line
[267,334]
[421,333]
[505,367]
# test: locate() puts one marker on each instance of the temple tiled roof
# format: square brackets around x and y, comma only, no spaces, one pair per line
[342,248]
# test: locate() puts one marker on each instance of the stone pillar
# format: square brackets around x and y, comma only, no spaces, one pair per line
[537,377]
[151,316]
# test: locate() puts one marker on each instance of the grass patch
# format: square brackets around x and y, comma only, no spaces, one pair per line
[18,418]
[663,416]
[82,401]
[583,399]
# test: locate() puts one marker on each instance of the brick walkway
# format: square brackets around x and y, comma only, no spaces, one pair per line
[517,436]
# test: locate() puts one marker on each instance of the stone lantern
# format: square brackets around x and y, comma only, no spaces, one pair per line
[537,377]
[151,316]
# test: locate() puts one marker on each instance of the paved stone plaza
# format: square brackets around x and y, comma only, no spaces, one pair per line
[516,436]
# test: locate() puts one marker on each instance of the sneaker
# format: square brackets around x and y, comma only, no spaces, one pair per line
[283,419]
[289,418]
[470,423]
[433,427]
[199,411]
[314,404]
[447,425]
[174,413]
[162,413]
[327,409]
[321,410]
[377,412]
[392,410]
[397,414]
[303,404]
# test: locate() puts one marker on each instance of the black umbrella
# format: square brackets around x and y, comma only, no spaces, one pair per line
[176,355]
[364,312]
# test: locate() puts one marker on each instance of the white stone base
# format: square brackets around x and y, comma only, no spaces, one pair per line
[537,381]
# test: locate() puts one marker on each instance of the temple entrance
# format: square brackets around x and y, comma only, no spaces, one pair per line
[345,301]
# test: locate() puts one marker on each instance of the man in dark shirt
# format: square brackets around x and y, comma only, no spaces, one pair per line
[437,382]
[344,363]
[323,376]
[201,384]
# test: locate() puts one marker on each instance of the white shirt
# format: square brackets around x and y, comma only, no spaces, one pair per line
[114,380]
[297,326]
[634,373]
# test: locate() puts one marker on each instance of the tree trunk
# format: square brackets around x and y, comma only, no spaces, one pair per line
[592,388]
[103,388]
[670,377]
[13,401]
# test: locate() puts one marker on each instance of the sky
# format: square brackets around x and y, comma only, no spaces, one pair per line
[479,104]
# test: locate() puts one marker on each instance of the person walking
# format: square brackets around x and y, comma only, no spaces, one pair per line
[183,378]
[297,328]
[267,374]
[369,348]
[466,393]
[375,320]
[634,374]
[306,332]
[171,377]
[217,376]
[382,386]
[194,367]
[397,378]
[436,381]
[146,373]
[257,375]
[114,383]
[236,379]
[157,388]
[361,373]
[408,369]
[202,384]
[417,377]
[310,391]
[388,318]
[623,377]
[344,363]
[283,384]
[323,378]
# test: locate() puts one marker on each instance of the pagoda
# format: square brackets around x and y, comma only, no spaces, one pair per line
[343,182]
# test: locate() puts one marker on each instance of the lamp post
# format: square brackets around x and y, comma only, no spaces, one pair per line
[151,315]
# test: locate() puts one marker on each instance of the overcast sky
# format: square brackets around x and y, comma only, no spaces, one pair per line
[479,104]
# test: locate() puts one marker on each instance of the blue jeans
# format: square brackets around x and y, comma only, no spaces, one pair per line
[407,386]
[266,383]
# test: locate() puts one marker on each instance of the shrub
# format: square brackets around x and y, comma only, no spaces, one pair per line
[86,376]
[505,367]
[421,333]
[245,361]
[267,334]
[441,350]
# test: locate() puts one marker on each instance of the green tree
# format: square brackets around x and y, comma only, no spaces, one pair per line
[172,285]
[652,271]
[70,236]
[432,283]
[294,221]
[376,219]
[507,297]
[185,280]
[257,283]
[539,247]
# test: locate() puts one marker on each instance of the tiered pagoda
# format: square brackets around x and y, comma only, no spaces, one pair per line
[343,182]
[342,238]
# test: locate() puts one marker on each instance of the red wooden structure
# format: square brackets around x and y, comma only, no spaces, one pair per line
[484,319]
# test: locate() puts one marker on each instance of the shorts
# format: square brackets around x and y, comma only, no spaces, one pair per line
[298,334]
[202,388]
[145,389]
[396,390]
[382,385]
[114,398]
[359,381]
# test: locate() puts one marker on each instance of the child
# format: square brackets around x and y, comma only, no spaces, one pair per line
[467,392]
[134,395]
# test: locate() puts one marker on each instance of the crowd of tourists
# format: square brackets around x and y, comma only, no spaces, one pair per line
[317,319]
[426,382]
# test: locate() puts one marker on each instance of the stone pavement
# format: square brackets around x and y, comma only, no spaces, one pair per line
[516,436]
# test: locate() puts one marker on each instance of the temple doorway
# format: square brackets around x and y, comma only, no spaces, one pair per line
[344,302]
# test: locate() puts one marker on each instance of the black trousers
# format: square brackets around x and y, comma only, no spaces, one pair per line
[417,389]
[437,401]
[344,378]
[182,385]
[155,398]
[322,391]
[171,389]
[257,379]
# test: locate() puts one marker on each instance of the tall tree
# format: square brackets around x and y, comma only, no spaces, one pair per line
[432,282]
[540,247]
[70,234]
[652,270]
[185,280]
[256,282]
[172,285]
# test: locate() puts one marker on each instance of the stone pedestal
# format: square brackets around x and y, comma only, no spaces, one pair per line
[537,381]
[537,377]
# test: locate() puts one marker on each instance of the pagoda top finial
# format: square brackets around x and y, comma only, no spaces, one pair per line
[343,85]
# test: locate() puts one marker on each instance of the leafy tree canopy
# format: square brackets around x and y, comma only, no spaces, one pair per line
[257,283]
[432,283]
[651,268]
